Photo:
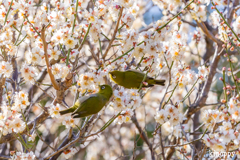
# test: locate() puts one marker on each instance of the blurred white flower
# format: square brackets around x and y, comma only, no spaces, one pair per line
[6,69]
[54,111]
[70,152]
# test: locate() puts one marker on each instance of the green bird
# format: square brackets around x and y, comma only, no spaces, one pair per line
[133,79]
[89,105]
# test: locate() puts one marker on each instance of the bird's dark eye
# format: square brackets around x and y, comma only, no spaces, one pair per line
[103,87]
[114,76]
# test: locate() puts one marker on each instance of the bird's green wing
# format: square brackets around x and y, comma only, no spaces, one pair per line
[136,72]
[133,79]
[139,74]
[90,105]
[148,79]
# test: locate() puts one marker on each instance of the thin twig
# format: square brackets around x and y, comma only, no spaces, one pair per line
[44,141]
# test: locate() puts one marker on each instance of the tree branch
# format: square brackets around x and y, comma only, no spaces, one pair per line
[54,82]
[143,135]
[114,33]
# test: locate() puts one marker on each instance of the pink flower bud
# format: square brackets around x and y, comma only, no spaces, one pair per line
[229,45]
[223,101]
[12,153]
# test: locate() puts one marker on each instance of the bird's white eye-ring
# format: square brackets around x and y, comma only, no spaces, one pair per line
[114,76]
[103,87]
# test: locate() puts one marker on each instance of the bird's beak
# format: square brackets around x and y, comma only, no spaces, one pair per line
[110,73]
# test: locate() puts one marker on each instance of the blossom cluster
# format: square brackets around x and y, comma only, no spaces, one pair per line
[11,117]
[29,73]
[224,124]
[107,33]
[22,155]
[171,117]
[89,81]
[66,120]
[125,101]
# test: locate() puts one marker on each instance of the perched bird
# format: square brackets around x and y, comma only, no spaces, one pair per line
[133,79]
[92,104]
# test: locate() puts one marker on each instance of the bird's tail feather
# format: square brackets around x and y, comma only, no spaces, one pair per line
[160,82]
[69,110]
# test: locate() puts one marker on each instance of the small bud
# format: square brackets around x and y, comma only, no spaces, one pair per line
[224,46]
[224,69]
[232,48]
[229,45]
[228,87]
[233,87]
[213,7]
[237,96]
[221,79]
[223,101]
[224,88]
[226,118]
[232,121]
[225,55]
[183,11]
[228,92]
[12,153]
[221,108]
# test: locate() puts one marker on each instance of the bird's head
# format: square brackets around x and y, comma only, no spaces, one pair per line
[105,90]
[116,76]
